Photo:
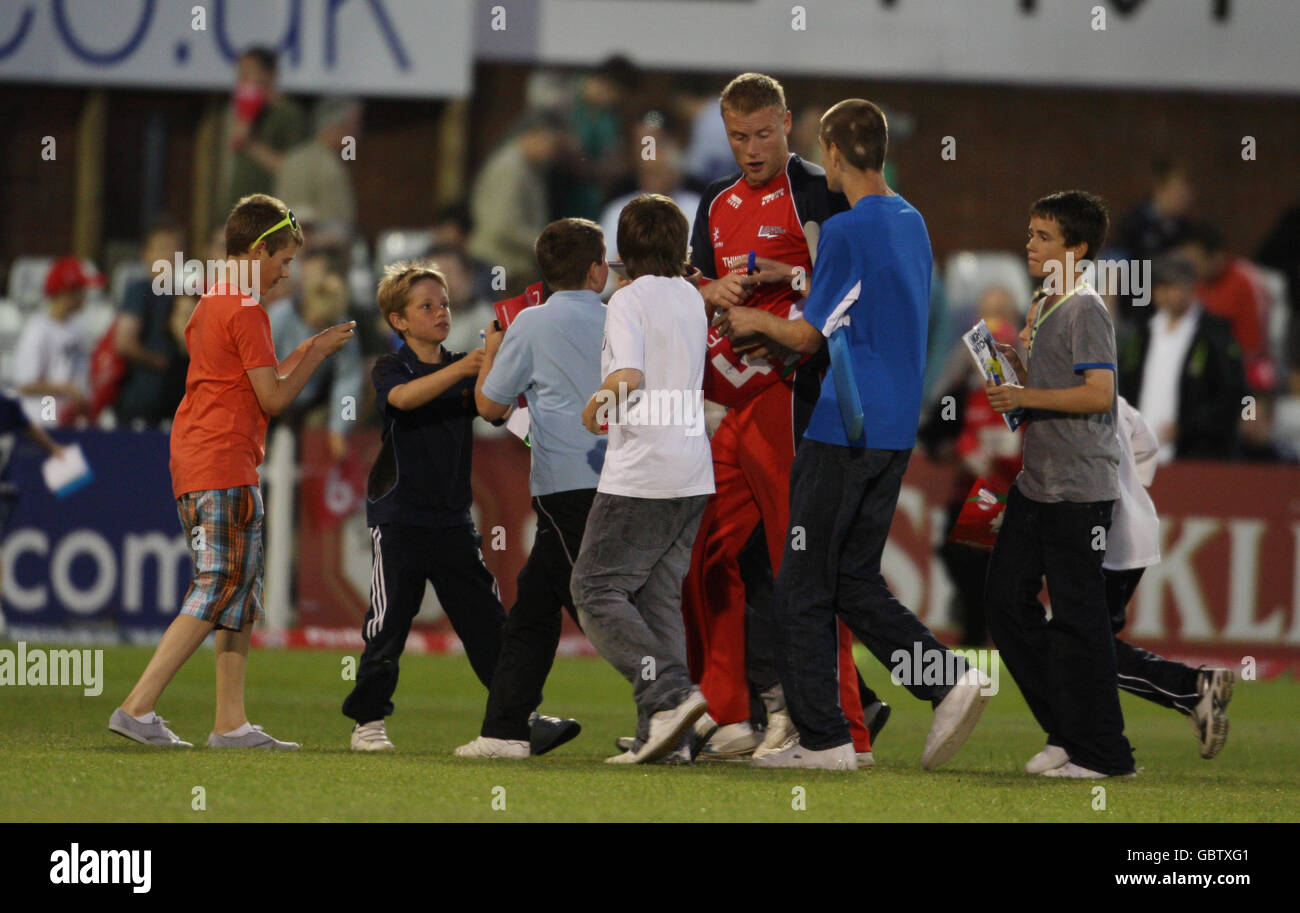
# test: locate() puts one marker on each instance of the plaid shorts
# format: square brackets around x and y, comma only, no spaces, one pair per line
[225,531]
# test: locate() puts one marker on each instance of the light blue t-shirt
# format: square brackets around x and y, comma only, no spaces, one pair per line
[872,275]
[551,354]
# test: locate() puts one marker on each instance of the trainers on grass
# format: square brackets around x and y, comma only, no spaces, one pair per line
[371,736]
[254,738]
[154,732]
[483,747]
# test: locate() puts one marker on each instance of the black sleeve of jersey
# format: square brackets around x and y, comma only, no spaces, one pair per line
[701,242]
[813,200]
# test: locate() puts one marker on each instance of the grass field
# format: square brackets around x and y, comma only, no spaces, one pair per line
[59,762]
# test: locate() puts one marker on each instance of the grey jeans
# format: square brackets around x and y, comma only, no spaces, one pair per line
[627,588]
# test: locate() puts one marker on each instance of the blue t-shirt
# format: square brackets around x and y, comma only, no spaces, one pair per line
[551,354]
[873,276]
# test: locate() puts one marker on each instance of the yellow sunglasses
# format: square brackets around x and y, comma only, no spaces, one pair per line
[289,219]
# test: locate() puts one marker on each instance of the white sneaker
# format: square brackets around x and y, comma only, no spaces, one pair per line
[954,719]
[482,747]
[371,737]
[841,757]
[733,740]
[865,760]
[1050,758]
[1209,718]
[781,734]
[627,757]
[667,727]
[1071,771]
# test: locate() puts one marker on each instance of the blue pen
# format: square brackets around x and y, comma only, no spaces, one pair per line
[753,262]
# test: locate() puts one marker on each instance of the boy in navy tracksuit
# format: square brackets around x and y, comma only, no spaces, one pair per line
[418,500]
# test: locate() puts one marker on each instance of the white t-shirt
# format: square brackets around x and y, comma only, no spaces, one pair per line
[1134,537]
[657,445]
[1163,371]
[53,352]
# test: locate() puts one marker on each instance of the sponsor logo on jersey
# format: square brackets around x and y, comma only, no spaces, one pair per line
[734,201]
[770,231]
[717,237]
[740,260]
[774,195]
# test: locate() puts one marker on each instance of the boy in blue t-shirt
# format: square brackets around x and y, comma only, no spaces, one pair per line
[871,286]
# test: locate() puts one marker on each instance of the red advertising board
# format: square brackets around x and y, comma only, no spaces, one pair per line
[1228,587]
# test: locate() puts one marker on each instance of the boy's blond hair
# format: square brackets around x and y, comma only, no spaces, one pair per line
[395,287]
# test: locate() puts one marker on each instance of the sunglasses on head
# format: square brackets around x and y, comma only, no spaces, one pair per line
[289,219]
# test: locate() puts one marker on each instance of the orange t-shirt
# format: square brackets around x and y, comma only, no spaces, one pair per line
[219,433]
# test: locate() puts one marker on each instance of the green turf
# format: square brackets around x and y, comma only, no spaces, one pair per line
[59,762]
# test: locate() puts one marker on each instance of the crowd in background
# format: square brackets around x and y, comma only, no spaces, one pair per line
[586,143]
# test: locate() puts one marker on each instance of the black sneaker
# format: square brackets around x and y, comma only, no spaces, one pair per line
[875,716]
[548,732]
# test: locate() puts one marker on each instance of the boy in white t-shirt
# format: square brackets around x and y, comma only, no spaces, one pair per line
[658,474]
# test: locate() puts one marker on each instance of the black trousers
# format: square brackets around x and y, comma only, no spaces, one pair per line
[532,630]
[1159,680]
[760,634]
[1065,669]
[403,559]
[844,500]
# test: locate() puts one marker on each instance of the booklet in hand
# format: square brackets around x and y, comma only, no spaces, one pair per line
[994,368]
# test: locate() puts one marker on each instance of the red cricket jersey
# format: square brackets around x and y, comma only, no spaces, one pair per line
[735,218]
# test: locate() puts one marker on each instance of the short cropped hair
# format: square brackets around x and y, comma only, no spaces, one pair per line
[1083,217]
[253,215]
[266,57]
[652,234]
[395,287]
[750,92]
[566,249]
[858,129]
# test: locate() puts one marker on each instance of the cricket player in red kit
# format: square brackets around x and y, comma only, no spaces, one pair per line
[749,238]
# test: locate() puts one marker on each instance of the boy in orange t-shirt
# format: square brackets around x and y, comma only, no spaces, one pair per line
[217,442]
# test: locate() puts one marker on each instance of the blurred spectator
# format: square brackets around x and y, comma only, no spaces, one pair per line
[1153,227]
[1229,287]
[261,126]
[508,203]
[325,399]
[1259,443]
[313,175]
[1183,369]
[661,174]
[152,387]
[963,430]
[52,356]
[470,312]
[597,157]
[452,227]
[708,154]
[1281,251]
[805,131]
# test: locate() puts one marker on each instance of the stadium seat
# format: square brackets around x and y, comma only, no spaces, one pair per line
[27,281]
[401,244]
[1279,317]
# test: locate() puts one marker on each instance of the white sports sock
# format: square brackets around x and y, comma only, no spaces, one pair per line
[147,718]
[242,730]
